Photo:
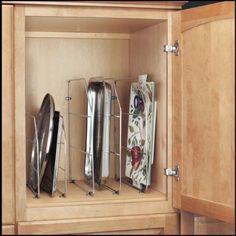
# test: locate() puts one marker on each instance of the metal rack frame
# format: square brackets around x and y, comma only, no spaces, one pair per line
[37,170]
[115,97]
[143,153]
[67,146]
[124,179]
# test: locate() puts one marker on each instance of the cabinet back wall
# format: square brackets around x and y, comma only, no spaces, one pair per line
[51,62]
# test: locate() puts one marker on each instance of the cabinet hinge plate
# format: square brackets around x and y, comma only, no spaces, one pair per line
[172,48]
[68,98]
[172,172]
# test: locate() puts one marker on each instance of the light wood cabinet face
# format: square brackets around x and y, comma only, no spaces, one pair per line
[195,119]
[208,226]
[142,224]
[8,203]
[52,58]
[207,117]
[8,230]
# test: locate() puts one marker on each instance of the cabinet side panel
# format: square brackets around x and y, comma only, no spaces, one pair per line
[8,209]
[147,56]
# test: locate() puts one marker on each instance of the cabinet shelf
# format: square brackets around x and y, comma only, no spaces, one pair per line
[76,195]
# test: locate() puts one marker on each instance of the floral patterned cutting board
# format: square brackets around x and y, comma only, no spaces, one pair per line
[141,132]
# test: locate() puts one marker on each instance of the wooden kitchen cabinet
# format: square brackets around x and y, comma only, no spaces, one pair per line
[58,41]
[8,196]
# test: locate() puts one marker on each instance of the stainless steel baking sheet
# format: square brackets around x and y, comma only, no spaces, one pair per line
[98,130]
[44,124]
[49,180]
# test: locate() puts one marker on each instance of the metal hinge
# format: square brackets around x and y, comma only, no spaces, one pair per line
[172,48]
[68,98]
[172,172]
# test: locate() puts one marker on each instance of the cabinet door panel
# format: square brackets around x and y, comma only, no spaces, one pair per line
[207,111]
[8,211]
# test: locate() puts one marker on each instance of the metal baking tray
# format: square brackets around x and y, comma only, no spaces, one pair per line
[44,126]
[51,173]
[98,131]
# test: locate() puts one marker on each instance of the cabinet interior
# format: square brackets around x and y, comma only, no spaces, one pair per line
[64,48]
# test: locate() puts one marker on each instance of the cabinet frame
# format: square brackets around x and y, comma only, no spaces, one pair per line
[79,210]
[163,223]
[8,126]
[178,22]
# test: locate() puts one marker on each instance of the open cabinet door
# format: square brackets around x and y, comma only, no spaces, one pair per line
[203,113]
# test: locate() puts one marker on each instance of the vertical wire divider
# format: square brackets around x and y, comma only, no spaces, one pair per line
[68,98]
[93,177]
[115,135]
[65,169]
[144,153]
[91,154]
[141,152]
[37,148]
[65,161]
[120,126]
[120,141]
[120,133]
[120,138]
[147,153]
[36,194]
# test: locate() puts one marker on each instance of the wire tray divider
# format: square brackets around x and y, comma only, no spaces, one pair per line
[36,194]
[68,98]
